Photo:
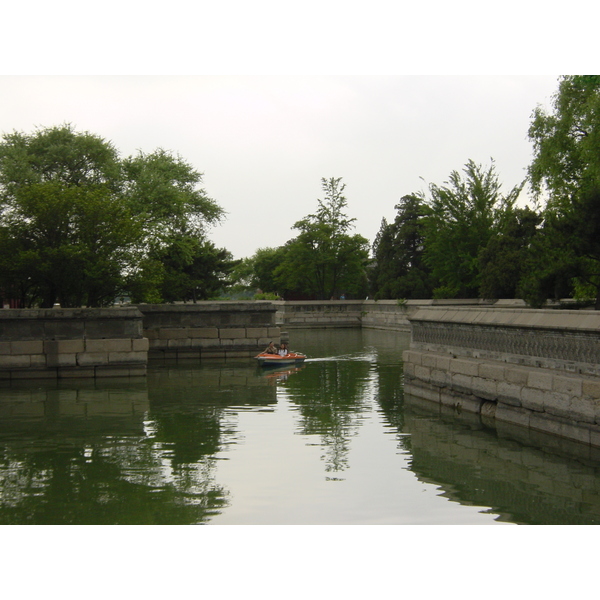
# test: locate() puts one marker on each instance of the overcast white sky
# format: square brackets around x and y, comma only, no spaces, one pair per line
[264,142]
[266,99]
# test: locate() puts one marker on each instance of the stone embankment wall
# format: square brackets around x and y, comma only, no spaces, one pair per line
[535,368]
[209,329]
[394,315]
[374,314]
[116,342]
[57,343]
[319,313]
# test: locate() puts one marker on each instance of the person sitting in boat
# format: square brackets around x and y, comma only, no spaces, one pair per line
[271,349]
[283,349]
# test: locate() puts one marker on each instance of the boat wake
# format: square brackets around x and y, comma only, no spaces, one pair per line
[362,357]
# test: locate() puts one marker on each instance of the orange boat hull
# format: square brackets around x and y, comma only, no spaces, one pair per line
[290,358]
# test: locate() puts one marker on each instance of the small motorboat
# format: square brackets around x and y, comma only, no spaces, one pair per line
[270,360]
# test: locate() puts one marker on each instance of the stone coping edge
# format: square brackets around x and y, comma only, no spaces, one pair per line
[563,320]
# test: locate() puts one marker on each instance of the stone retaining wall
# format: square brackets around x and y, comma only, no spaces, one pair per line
[320,314]
[57,343]
[536,368]
[209,329]
[386,314]
[395,314]
[372,314]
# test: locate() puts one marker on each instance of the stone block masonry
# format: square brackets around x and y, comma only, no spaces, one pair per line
[116,342]
[535,368]
[61,343]
[394,315]
[209,329]
[319,314]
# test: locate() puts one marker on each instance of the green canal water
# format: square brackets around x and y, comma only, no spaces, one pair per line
[333,442]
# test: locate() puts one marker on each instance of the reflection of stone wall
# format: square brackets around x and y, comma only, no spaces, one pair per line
[239,385]
[520,482]
[79,407]
[210,329]
[58,343]
[539,369]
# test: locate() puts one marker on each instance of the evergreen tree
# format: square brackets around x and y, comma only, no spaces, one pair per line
[399,270]
[504,261]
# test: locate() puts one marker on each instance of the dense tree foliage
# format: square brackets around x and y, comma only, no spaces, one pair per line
[566,171]
[324,260]
[566,142]
[64,231]
[163,191]
[504,261]
[265,263]
[399,270]
[80,226]
[463,215]
[192,269]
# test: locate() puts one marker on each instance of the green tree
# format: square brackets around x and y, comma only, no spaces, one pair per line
[79,225]
[162,189]
[504,261]
[194,270]
[565,171]
[566,141]
[264,264]
[65,235]
[324,260]
[549,266]
[163,192]
[462,216]
[254,276]
[399,270]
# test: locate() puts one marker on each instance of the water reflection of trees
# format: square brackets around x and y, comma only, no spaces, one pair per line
[368,364]
[331,396]
[116,453]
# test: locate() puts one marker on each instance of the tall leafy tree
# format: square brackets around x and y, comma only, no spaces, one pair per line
[566,141]
[193,270]
[78,225]
[504,261]
[399,270]
[65,233]
[264,264]
[462,216]
[325,260]
[565,171]
[549,266]
[163,190]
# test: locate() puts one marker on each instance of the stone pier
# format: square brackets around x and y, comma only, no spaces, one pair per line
[209,329]
[58,343]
